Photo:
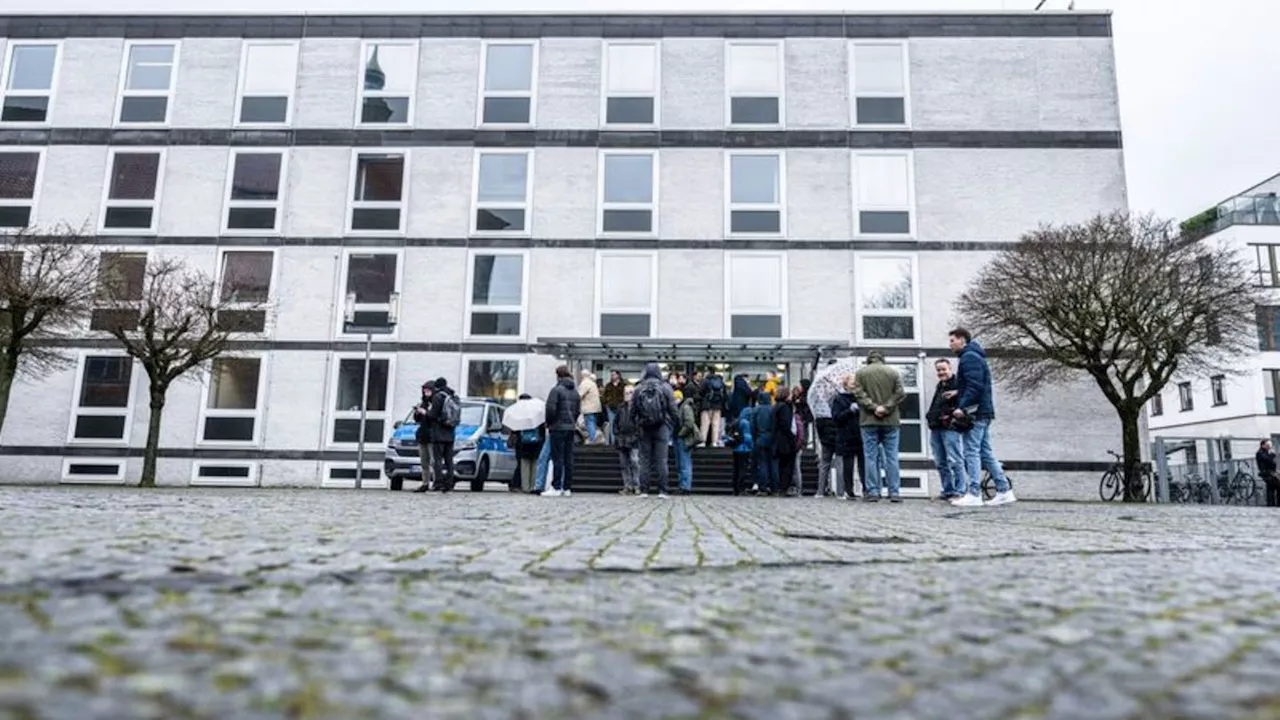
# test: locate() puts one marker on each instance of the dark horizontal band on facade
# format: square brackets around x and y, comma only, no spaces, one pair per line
[1081,24]
[470,137]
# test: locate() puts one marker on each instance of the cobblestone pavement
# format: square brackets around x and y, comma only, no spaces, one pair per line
[117,603]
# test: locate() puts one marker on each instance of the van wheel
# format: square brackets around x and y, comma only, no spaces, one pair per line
[482,474]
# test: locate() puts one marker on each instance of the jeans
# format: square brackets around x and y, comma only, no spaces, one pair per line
[684,464]
[826,457]
[629,461]
[948,455]
[562,456]
[978,454]
[544,457]
[741,466]
[653,458]
[612,414]
[442,465]
[589,420]
[710,423]
[766,469]
[875,439]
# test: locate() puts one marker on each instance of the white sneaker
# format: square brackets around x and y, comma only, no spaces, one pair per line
[1004,498]
[967,501]
[642,494]
[662,496]
[844,496]
[551,492]
[567,493]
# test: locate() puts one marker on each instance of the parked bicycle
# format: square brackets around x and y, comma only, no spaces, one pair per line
[1238,489]
[989,484]
[1111,486]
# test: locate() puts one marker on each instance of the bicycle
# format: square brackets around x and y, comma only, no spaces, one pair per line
[1111,486]
[989,484]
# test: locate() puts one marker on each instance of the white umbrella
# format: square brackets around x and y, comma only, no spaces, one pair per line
[827,384]
[525,415]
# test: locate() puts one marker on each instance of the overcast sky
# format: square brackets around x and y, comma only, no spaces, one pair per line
[1198,91]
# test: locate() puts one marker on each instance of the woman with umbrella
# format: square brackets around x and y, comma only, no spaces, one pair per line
[525,419]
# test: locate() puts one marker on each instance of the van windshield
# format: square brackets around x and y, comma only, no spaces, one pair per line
[472,414]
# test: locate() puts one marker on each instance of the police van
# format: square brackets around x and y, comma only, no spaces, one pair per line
[480,449]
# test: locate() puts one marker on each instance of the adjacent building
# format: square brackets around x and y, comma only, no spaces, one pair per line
[755,192]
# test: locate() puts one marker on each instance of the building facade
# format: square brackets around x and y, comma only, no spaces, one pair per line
[749,191]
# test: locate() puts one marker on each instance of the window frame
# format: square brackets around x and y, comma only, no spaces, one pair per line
[651,310]
[155,202]
[372,477]
[1157,404]
[244,75]
[344,274]
[523,309]
[402,205]
[464,366]
[602,205]
[860,312]
[257,413]
[52,93]
[730,94]
[904,46]
[784,280]
[278,204]
[274,252]
[412,99]
[920,389]
[531,94]
[253,480]
[99,304]
[1217,390]
[1186,397]
[605,93]
[1268,251]
[118,478]
[34,202]
[332,414]
[780,206]
[78,389]
[168,94]
[910,208]
[1271,391]
[530,161]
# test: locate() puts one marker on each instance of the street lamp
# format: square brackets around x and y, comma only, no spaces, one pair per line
[351,327]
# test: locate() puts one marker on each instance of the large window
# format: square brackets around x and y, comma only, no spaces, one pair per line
[1218,390]
[495,304]
[1157,405]
[121,280]
[147,81]
[1268,317]
[509,89]
[253,193]
[503,192]
[232,405]
[373,278]
[1185,399]
[1271,390]
[626,293]
[911,438]
[377,193]
[631,82]
[756,194]
[19,180]
[1268,265]
[884,194]
[756,289]
[103,399]
[268,77]
[388,75]
[244,279]
[30,71]
[347,404]
[133,190]
[755,78]
[493,377]
[628,192]
[879,73]
[886,298]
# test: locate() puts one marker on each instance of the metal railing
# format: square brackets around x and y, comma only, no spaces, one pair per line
[1226,482]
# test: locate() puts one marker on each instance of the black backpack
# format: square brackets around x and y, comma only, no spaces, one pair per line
[650,404]
[715,393]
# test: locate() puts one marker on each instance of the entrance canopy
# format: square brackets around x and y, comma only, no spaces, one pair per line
[692,350]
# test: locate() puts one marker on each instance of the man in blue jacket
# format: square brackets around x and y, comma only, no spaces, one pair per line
[975,399]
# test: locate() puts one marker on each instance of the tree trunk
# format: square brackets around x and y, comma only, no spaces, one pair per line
[153,438]
[8,370]
[1133,481]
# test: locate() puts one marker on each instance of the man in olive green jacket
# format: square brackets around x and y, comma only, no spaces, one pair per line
[879,391]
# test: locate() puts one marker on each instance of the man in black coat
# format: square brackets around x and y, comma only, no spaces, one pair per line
[440,433]
[426,451]
[844,411]
[1266,460]
[944,439]
[563,406]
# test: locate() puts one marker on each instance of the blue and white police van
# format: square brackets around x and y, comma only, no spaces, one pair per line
[480,449]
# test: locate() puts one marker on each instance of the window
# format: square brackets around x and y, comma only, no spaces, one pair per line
[253,193]
[346,415]
[231,406]
[93,470]
[373,278]
[268,76]
[133,190]
[503,192]
[245,279]
[1184,396]
[1268,265]
[755,83]
[343,475]
[911,435]
[628,188]
[103,399]
[756,285]
[19,180]
[879,71]
[377,196]
[1271,389]
[225,473]
[626,293]
[389,72]
[1218,391]
[30,71]
[756,192]
[496,301]
[884,193]
[1268,328]
[493,377]
[507,95]
[1157,405]
[886,298]
[631,72]
[121,277]
[147,82]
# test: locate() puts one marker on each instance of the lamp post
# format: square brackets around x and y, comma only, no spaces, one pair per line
[351,327]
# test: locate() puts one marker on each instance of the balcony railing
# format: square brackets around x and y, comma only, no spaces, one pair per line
[1248,210]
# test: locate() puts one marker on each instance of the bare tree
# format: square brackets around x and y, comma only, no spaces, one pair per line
[46,284]
[1126,300]
[179,325]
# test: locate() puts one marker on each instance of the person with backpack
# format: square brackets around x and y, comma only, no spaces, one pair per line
[784,440]
[653,407]
[686,439]
[563,406]
[527,445]
[626,439]
[763,446]
[715,398]
[426,450]
[443,417]
[739,438]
